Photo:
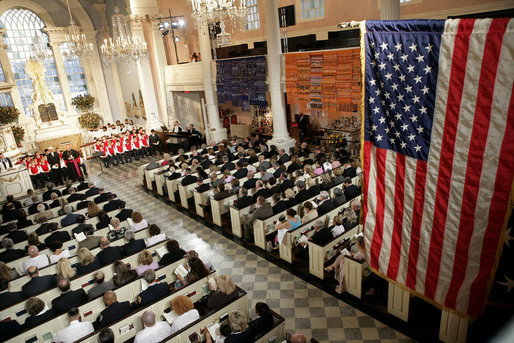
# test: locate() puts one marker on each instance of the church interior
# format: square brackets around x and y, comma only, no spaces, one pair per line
[199,171]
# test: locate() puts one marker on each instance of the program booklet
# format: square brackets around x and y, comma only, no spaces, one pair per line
[181,271]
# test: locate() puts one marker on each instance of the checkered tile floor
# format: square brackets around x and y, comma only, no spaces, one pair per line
[306,308]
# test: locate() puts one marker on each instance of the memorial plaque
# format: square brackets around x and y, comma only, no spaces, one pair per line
[47,113]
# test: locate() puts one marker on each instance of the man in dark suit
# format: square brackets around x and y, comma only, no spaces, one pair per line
[202,187]
[102,196]
[241,172]
[244,200]
[33,208]
[10,213]
[155,290]
[112,204]
[263,211]
[5,162]
[91,241]
[227,164]
[286,183]
[348,170]
[16,235]
[92,189]
[50,189]
[10,254]
[322,235]
[326,204]
[195,135]
[133,245]
[37,284]
[283,156]
[8,298]
[61,236]
[221,193]
[188,178]
[10,199]
[350,190]
[68,298]
[108,254]
[82,202]
[278,171]
[124,212]
[173,174]
[70,218]
[83,185]
[44,227]
[81,220]
[250,183]
[55,164]
[74,196]
[303,194]
[260,190]
[114,311]
[155,142]
[278,204]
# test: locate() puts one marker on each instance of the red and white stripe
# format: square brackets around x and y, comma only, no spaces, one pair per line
[435,225]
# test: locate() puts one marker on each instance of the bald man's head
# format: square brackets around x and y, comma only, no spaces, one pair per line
[149,318]
[298,338]
[110,298]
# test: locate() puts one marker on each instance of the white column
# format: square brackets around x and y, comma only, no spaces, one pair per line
[390,9]
[280,134]
[216,131]
[159,59]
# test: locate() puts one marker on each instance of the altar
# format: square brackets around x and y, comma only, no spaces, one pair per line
[15,181]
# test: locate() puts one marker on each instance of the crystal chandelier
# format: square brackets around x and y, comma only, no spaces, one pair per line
[40,48]
[213,11]
[123,45]
[75,43]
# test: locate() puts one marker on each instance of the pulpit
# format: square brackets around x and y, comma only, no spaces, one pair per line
[15,181]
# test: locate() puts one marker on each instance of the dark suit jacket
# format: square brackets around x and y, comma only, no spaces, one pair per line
[80,228]
[243,202]
[174,176]
[351,192]
[82,186]
[286,184]
[261,192]
[91,191]
[229,166]
[74,197]
[68,300]
[350,172]
[17,236]
[134,246]
[303,195]
[11,255]
[109,255]
[203,188]
[221,195]
[153,293]
[170,258]
[124,214]
[314,190]
[278,172]
[250,183]
[243,337]
[240,173]
[33,207]
[279,207]
[339,200]
[37,285]
[61,236]
[48,193]
[322,237]
[101,198]
[10,298]
[31,322]
[261,324]
[291,202]
[10,215]
[42,229]
[70,218]
[325,207]
[111,205]
[9,329]
[111,314]
[188,180]
[81,270]
[54,204]
[82,204]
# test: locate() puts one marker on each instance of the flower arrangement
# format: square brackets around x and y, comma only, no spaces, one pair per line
[83,103]
[18,133]
[8,114]
[89,120]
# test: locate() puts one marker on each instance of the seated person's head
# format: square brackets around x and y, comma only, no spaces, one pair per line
[34,305]
[106,336]
[238,321]
[181,304]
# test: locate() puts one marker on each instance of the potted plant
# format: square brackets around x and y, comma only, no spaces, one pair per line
[83,103]
[8,114]
[18,133]
[89,120]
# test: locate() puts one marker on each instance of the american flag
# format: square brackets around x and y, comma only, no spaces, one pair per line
[438,153]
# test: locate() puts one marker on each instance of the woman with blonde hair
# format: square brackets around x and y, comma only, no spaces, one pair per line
[290,198]
[184,308]
[309,171]
[166,158]
[63,202]
[146,262]
[87,262]
[356,164]
[117,231]
[92,209]
[64,269]
[227,291]
[6,272]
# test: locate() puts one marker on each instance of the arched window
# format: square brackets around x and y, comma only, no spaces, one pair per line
[74,73]
[23,35]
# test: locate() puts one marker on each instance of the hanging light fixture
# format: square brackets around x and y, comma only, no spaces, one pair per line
[75,43]
[213,11]
[40,48]
[123,45]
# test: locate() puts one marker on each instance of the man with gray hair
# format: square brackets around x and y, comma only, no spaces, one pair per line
[326,204]
[303,194]
[356,207]
[108,254]
[35,259]
[154,331]
[10,254]
[265,176]
[70,218]
[43,212]
[260,190]
[92,190]
[263,210]
[322,235]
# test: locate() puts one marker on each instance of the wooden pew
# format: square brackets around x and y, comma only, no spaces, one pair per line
[353,274]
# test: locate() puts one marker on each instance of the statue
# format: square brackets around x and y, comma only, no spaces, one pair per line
[41,95]
[135,108]
[142,106]
[128,109]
